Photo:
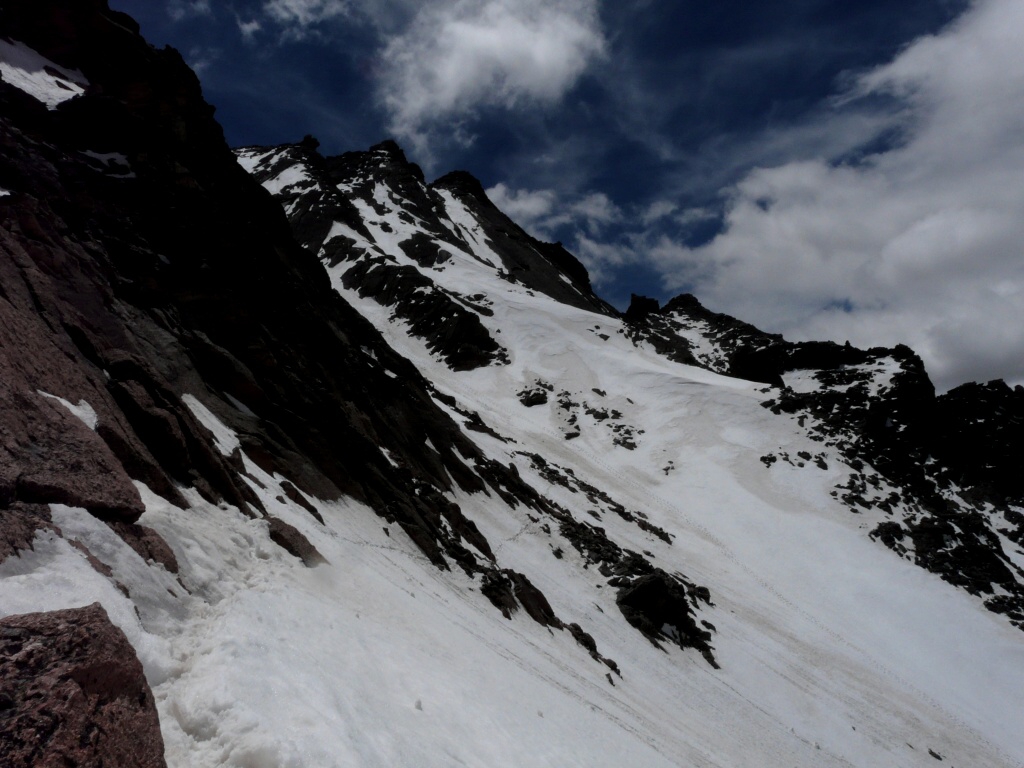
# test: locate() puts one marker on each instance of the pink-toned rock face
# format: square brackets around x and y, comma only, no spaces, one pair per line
[47,454]
[18,526]
[147,543]
[72,693]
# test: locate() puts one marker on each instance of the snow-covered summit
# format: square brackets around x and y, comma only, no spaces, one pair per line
[422,251]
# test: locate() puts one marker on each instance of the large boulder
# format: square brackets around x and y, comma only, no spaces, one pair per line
[73,693]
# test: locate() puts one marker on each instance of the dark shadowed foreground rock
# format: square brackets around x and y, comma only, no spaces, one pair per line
[72,693]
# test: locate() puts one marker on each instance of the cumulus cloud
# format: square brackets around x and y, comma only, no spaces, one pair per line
[657,211]
[604,259]
[457,56]
[441,61]
[546,214]
[528,208]
[596,211]
[921,243]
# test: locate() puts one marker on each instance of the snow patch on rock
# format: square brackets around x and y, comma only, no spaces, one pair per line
[37,76]
[226,439]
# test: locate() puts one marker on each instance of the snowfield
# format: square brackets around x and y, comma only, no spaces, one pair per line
[833,651]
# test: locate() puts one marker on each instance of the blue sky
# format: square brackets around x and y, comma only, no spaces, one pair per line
[824,169]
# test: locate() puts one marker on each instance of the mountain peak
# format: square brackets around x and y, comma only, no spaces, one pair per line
[390,149]
[385,159]
[684,302]
[463,183]
[640,307]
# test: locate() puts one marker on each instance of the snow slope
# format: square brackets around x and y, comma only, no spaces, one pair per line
[833,650]
[828,649]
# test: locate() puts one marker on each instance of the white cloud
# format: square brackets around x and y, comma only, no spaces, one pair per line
[248,28]
[657,211]
[440,61]
[603,259]
[528,208]
[922,243]
[182,9]
[459,55]
[547,214]
[595,211]
[305,13]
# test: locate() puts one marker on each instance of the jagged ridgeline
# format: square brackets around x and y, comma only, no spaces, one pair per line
[307,461]
[349,209]
[943,470]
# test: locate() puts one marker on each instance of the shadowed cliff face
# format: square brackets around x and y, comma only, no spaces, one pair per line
[140,263]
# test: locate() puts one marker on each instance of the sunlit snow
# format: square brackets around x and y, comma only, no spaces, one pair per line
[37,76]
[834,651]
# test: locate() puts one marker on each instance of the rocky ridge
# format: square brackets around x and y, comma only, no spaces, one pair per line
[937,473]
[348,209]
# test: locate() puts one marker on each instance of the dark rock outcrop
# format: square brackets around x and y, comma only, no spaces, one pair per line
[72,693]
[947,459]
[447,321]
[448,326]
[726,341]
[147,543]
[978,430]
[508,590]
[661,607]
[547,268]
[290,539]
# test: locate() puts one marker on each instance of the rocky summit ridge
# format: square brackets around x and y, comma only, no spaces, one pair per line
[307,461]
